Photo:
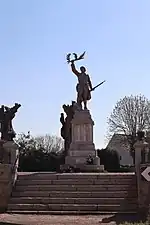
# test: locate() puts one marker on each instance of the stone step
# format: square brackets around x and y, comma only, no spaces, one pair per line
[71,207]
[77,181]
[63,200]
[131,212]
[52,193]
[66,176]
[76,194]
[75,187]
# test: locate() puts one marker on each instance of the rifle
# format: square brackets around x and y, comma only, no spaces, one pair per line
[98,85]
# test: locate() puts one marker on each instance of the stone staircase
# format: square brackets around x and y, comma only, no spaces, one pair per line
[70,193]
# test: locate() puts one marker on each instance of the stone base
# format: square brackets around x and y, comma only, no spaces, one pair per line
[11,151]
[73,160]
[90,168]
[83,168]
[82,146]
[79,152]
[5,186]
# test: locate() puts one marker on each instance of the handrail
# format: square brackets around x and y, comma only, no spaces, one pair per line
[16,160]
[13,170]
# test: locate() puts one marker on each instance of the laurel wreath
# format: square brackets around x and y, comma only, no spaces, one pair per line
[75,57]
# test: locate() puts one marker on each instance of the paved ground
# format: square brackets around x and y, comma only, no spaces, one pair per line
[6,219]
[16,219]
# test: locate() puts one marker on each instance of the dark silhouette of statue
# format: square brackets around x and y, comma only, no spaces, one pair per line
[140,135]
[66,130]
[84,86]
[6,116]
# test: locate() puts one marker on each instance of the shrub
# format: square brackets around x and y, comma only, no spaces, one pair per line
[110,159]
[34,157]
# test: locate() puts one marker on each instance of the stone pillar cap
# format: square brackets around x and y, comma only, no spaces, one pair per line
[141,144]
[10,144]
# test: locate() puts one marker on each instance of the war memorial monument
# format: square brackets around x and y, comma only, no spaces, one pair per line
[77,127]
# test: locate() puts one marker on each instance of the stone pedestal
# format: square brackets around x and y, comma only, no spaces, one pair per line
[5,186]
[82,141]
[11,149]
[141,152]
[143,186]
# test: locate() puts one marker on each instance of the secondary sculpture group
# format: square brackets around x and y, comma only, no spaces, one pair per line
[6,116]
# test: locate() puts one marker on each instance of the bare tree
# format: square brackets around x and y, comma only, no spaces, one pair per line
[49,143]
[130,115]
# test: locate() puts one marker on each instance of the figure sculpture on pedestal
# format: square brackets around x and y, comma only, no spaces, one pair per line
[6,116]
[77,127]
[84,86]
[66,131]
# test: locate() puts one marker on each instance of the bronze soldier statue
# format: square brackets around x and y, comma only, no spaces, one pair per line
[84,85]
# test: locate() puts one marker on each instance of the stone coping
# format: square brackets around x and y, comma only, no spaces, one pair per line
[82,173]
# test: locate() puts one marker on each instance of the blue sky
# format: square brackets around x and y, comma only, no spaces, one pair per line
[37,34]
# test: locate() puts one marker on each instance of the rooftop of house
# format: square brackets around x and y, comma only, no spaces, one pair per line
[118,141]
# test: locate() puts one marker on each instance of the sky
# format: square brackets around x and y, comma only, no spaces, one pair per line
[36,35]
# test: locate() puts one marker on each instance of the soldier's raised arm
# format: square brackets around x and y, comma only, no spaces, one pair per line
[73,68]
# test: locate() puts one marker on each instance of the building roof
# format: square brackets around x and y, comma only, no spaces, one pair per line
[118,141]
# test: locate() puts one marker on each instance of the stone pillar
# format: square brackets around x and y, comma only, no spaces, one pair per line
[8,172]
[11,148]
[143,186]
[5,186]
